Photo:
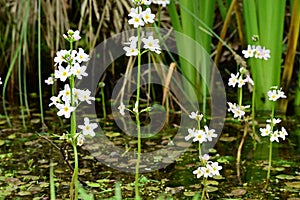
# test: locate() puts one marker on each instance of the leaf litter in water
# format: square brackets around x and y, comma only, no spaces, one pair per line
[285,176]
[294,184]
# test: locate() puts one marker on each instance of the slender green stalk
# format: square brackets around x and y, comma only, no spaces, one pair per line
[137,116]
[75,173]
[204,189]
[103,103]
[20,92]
[270,148]
[39,63]
[52,186]
[199,145]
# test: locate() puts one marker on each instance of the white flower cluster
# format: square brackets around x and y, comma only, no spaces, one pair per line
[274,94]
[87,129]
[199,135]
[257,52]
[239,79]
[69,98]
[238,111]
[211,168]
[148,2]
[274,135]
[149,43]
[72,60]
[138,19]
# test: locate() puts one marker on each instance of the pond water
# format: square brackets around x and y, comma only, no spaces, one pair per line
[26,157]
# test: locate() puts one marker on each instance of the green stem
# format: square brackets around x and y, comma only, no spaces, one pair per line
[136,184]
[240,96]
[39,63]
[75,173]
[74,181]
[103,103]
[270,149]
[204,189]
[137,116]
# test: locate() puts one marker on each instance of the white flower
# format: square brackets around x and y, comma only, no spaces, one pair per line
[207,171]
[210,133]
[233,80]
[76,35]
[73,35]
[205,157]
[249,52]
[65,109]
[162,2]
[80,140]
[283,133]
[192,133]
[131,51]
[274,136]
[55,100]
[136,19]
[65,94]
[265,131]
[274,121]
[122,109]
[88,128]
[152,44]
[249,80]
[78,70]
[237,110]
[258,52]
[198,172]
[241,81]
[200,136]
[148,17]
[196,116]
[281,93]
[266,53]
[232,107]
[81,56]
[49,81]
[275,94]
[0,81]
[272,94]
[62,73]
[214,168]
[84,95]
[60,57]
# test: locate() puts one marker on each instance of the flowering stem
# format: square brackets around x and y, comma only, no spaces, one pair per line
[199,146]
[137,117]
[240,96]
[270,149]
[74,182]
[204,188]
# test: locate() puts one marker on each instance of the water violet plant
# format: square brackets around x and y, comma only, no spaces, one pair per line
[274,95]
[207,168]
[70,66]
[140,15]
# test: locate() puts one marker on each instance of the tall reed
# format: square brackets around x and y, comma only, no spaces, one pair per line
[267,22]
[196,21]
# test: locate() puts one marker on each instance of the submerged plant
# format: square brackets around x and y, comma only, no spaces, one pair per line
[207,168]
[70,66]
[274,135]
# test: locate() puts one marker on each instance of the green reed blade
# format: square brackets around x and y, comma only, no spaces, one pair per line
[266,19]
[39,63]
